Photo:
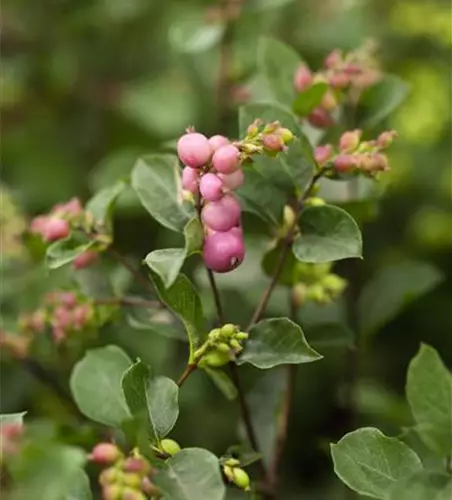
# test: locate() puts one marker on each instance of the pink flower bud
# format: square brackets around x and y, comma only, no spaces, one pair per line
[85,259]
[135,464]
[72,207]
[350,140]
[222,215]
[381,162]
[385,138]
[344,163]
[333,59]
[339,80]
[352,69]
[190,179]
[223,252]
[68,299]
[216,141]
[80,316]
[320,118]
[105,453]
[194,150]
[56,229]
[211,187]
[234,180]
[302,78]
[38,321]
[38,224]
[323,153]
[226,159]
[61,317]
[273,142]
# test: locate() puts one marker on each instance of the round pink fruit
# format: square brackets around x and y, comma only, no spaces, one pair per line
[194,150]
[211,187]
[222,215]
[190,179]
[56,229]
[303,78]
[85,259]
[223,252]
[226,159]
[217,141]
[234,180]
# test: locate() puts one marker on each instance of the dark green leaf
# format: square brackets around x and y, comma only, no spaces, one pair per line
[102,203]
[191,474]
[275,342]
[63,252]
[424,485]
[429,393]
[222,381]
[156,180]
[156,397]
[370,463]
[96,385]
[327,234]
[393,288]
[309,99]
[326,335]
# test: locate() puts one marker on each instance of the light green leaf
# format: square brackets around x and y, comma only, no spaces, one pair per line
[79,487]
[370,463]
[392,289]
[274,342]
[424,485]
[382,99]
[155,397]
[156,180]
[327,234]
[63,252]
[222,381]
[429,393]
[96,385]
[309,99]
[159,321]
[191,474]
[183,299]
[168,262]
[102,203]
[12,418]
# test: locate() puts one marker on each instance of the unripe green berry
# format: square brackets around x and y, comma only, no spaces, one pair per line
[235,344]
[315,202]
[241,336]
[109,476]
[228,330]
[232,462]
[229,472]
[286,134]
[334,283]
[169,446]
[241,478]
[215,334]
[215,359]
[316,293]
[222,347]
[131,479]
[112,492]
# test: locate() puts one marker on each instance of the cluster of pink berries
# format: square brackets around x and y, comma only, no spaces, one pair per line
[356,156]
[10,434]
[347,76]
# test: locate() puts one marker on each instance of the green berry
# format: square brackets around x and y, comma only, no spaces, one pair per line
[235,344]
[169,446]
[109,476]
[222,347]
[286,134]
[241,478]
[131,479]
[215,359]
[228,330]
[241,336]
[215,334]
[232,462]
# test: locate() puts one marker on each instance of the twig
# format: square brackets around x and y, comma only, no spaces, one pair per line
[216,296]
[135,272]
[188,371]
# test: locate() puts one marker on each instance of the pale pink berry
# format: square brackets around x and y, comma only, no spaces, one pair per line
[85,259]
[234,180]
[339,80]
[223,252]
[385,138]
[323,153]
[56,229]
[105,453]
[350,140]
[320,118]
[226,159]
[273,142]
[211,187]
[68,299]
[62,317]
[222,215]
[38,224]
[217,141]
[302,78]
[80,316]
[344,163]
[72,207]
[190,178]
[194,150]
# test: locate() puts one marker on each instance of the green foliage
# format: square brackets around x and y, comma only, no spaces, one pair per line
[101,205]
[422,485]
[63,252]
[309,99]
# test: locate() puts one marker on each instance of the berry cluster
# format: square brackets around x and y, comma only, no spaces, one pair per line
[346,75]
[10,434]
[212,172]
[235,474]
[355,156]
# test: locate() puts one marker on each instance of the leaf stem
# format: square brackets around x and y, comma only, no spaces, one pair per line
[188,371]
[216,296]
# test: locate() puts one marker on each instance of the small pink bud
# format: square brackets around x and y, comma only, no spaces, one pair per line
[38,224]
[85,259]
[105,453]
[273,142]
[222,215]
[38,321]
[333,59]
[211,187]
[385,138]
[352,69]
[323,153]
[234,180]
[190,179]
[253,129]
[135,464]
[320,118]
[223,252]
[344,163]
[339,80]
[381,162]
[349,141]
[194,150]
[80,316]
[72,207]
[366,79]
[302,78]
[61,317]
[226,159]
[68,299]
[216,141]
[56,229]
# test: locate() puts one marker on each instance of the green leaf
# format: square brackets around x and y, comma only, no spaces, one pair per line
[370,463]
[191,474]
[96,385]
[429,393]
[102,203]
[222,381]
[158,321]
[79,487]
[156,180]
[327,234]
[157,397]
[309,99]
[382,99]
[393,288]
[274,342]
[168,262]
[278,63]
[183,299]
[63,252]
[12,418]
[424,485]
[329,335]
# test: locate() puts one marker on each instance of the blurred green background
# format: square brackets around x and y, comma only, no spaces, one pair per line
[88,85]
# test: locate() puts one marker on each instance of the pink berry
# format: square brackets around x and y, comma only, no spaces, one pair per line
[333,59]
[302,79]
[80,316]
[56,229]
[226,159]
[105,453]
[223,252]
[350,140]
[68,299]
[216,141]
[85,259]
[234,180]
[323,153]
[61,317]
[38,224]
[273,142]
[190,179]
[72,207]
[344,163]
[320,118]
[211,187]
[222,215]
[194,150]
[339,80]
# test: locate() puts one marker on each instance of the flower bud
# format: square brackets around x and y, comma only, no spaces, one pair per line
[334,283]
[386,138]
[273,142]
[109,476]
[217,141]
[234,180]
[381,162]
[38,224]
[222,215]
[228,329]
[241,478]
[333,59]
[226,159]
[194,150]
[339,80]
[352,69]
[314,202]
[323,153]
[215,359]
[112,492]
[316,293]
[329,101]
[253,129]
[80,316]
[136,464]
[349,141]
[85,259]
[56,229]
[241,336]
[105,453]
[235,344]
[223,252]
[320,118]
[214,334]
[286,135]
[302,78]
[169,446]
[211,187]
[222,347]
[190,179]
[344,163]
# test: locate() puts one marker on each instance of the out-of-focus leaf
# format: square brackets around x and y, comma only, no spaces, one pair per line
[63,252]
[102,203]
[309,99]
[326,335]
[79,487]
[158,321]
[12,418]
[422,486]
[222,381]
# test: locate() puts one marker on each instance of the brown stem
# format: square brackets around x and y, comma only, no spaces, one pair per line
[216,296]
[188,371]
